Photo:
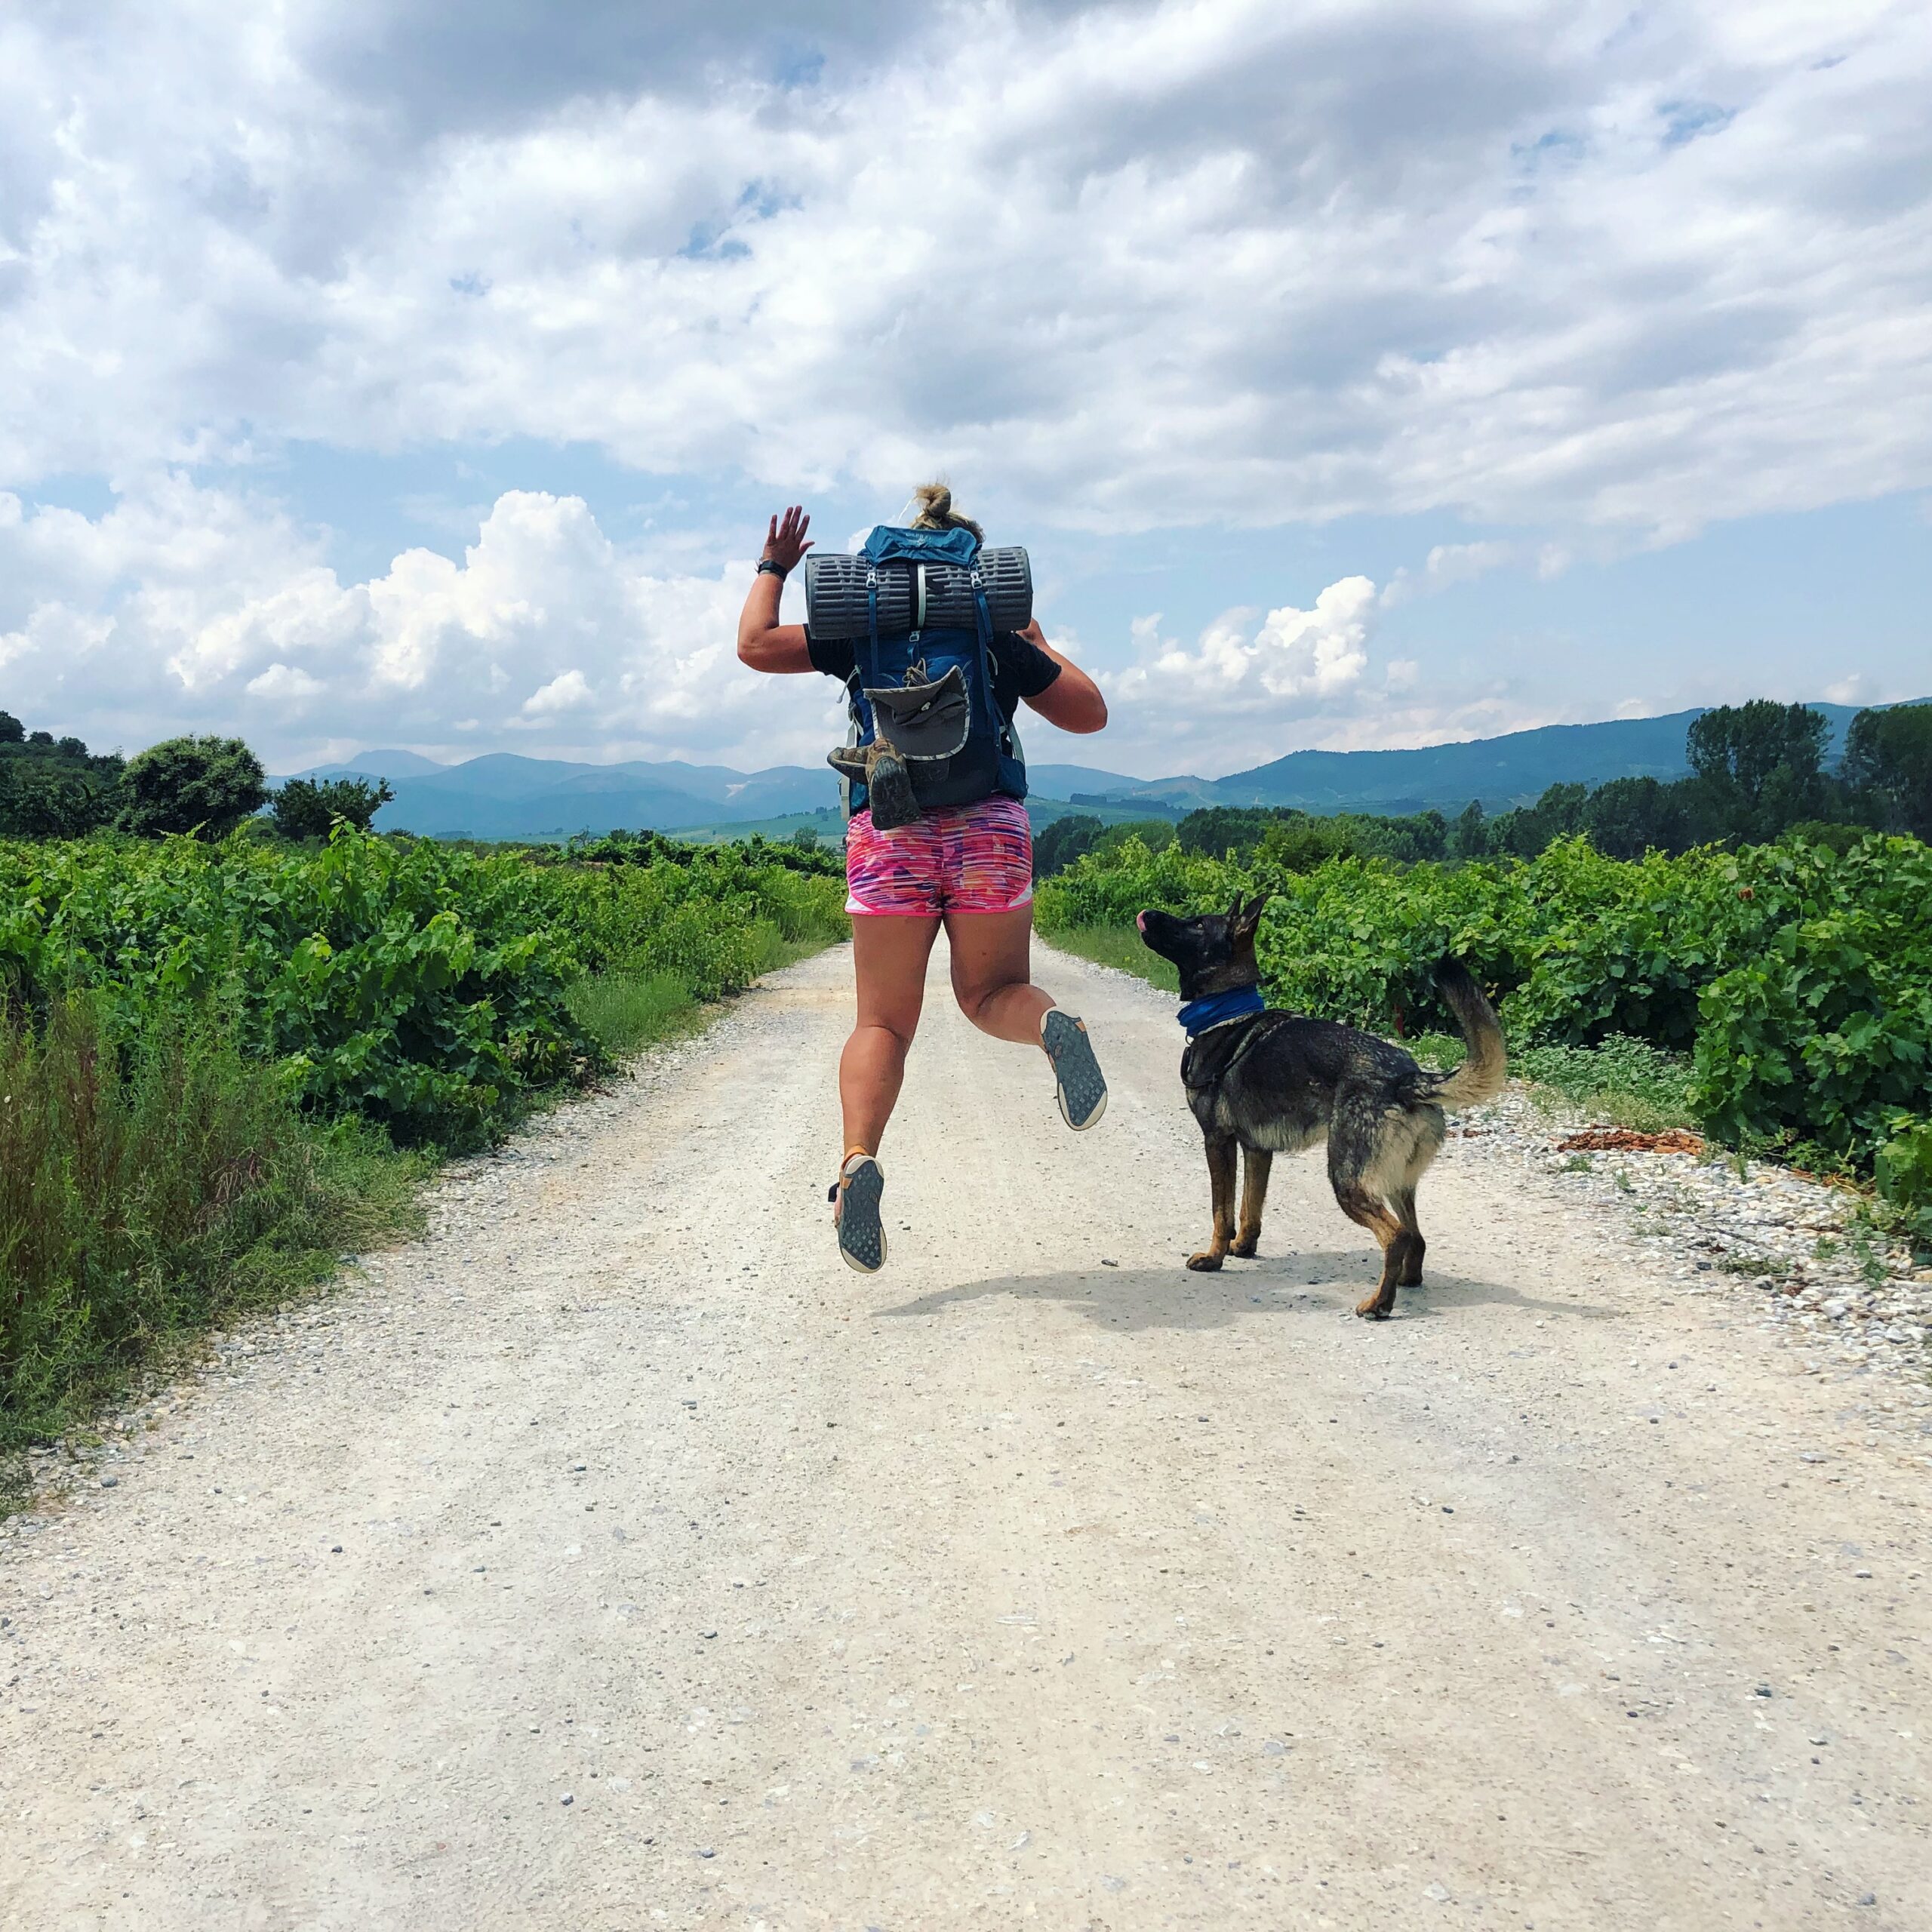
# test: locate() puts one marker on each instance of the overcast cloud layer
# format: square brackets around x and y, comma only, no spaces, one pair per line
[1604,277]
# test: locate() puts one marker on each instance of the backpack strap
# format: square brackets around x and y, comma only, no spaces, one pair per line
[871,621]
[983,625]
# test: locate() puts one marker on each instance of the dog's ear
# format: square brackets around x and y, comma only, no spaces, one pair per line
[1234,913]
[1243,920]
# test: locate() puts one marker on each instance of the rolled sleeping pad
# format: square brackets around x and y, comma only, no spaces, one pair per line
[836,594]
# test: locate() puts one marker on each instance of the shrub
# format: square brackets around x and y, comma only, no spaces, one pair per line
[309,808]
[203,786]
[205,1050]
[1904,1172]
[1816,1029]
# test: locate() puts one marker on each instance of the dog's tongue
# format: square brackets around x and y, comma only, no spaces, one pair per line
[1140,924]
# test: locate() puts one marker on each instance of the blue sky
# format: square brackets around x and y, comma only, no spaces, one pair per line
[1374,374]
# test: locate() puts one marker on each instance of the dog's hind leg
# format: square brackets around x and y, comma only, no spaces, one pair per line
[1363,1208]
[1413,1247]
[1255,1162]
[1221,1174]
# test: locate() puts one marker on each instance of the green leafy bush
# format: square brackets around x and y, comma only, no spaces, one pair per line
[419,986]
[308,807]
[1817,1032]
[202,786]
[1904,1172]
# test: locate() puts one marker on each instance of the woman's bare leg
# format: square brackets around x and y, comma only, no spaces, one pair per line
[889,954]
[992,974]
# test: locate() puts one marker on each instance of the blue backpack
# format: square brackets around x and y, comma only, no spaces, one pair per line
[988,759]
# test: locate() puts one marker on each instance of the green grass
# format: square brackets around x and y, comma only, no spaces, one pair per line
[625,1012]
[1119,947]
[1624,1082]
[149,1194]
[828,823]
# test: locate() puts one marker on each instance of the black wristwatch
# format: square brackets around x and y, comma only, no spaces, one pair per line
[769,567]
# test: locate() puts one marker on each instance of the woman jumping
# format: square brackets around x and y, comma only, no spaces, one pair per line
[968,866]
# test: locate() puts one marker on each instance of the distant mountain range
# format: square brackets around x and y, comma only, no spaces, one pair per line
[501,795]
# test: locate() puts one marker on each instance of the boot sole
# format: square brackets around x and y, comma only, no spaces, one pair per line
[1079,1085]
[861,1237]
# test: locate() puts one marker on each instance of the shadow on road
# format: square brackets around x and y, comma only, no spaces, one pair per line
[1315,1283]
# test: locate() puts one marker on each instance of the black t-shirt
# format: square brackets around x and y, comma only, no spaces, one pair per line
[1020,668]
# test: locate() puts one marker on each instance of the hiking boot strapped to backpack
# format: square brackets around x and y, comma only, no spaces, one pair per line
[926,727]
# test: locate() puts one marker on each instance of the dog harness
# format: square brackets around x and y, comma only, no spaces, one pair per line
[1199,1016]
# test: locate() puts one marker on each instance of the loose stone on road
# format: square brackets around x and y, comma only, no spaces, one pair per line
[617,1557]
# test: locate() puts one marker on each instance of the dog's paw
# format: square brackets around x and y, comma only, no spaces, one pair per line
[1205,1262]
[1246,1249]
[1374,1309]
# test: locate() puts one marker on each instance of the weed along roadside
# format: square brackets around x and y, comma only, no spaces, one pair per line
[226,1067]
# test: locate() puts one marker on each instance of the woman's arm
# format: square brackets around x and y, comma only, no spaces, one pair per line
[764,643]
[1072,701]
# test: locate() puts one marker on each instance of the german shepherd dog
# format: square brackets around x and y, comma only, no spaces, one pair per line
[1274,1083]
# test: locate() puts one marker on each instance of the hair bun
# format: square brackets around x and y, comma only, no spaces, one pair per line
[936,511]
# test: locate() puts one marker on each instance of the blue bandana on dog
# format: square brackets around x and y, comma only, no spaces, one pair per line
[1217,1009]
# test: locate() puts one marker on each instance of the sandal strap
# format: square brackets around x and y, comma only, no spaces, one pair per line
[844,1179]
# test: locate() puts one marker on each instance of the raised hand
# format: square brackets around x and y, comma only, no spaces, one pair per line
[785,543]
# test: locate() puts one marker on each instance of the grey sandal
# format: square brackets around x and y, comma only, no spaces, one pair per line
[1079,1085]
[861,1239]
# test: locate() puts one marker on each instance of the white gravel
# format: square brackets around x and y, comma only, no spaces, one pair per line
[1802,1252]
[616,1559]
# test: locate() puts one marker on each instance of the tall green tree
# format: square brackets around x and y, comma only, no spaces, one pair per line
[1628,817]
[204,786]
[1524,831]
[1759,767]
[1217,830]
[1469,837]
[44,798]
[1888,766]
[1060,843]
[1750,746]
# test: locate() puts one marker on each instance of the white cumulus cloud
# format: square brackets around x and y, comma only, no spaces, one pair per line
[182,606]
[1242,685]
[569,691]
[1194,261]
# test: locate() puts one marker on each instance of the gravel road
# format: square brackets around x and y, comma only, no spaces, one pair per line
[615,1558]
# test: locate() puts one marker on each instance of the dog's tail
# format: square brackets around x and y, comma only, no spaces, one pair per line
[1480,1077]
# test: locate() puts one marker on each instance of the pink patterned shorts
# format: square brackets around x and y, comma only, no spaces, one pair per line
[976,858]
